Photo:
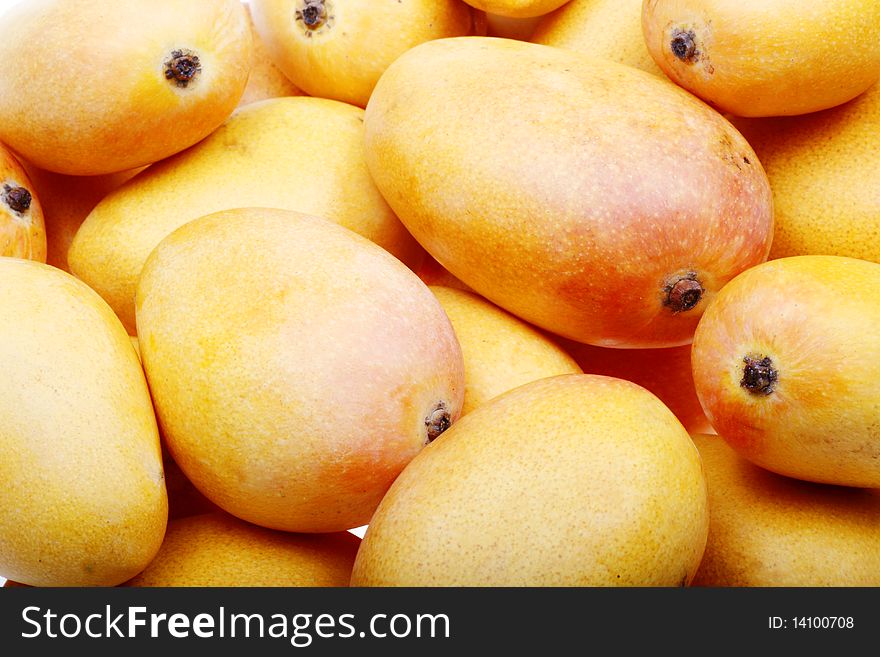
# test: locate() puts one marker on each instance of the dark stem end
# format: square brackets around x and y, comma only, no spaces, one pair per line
[684,46]
[17,198]
[182,67]
[684,294]
[437,421]
[759,375]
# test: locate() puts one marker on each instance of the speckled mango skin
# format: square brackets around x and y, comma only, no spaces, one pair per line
[824,169]
[216,549]
[768,530]
[81,480]
[516,8]
[66,202]
[302,154]
[87,93]
[608,29]
[575,480]
[566,191]
[266,80]
[293,365]
[760,58]
[664,372]
[344,57]
[500,351]
[818,319]
[22,233]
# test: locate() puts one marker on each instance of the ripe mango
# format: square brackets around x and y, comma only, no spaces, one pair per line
[824,169]
[303,154]
[766,57]
[589,198]
[575,480]
[768,530]
[216,549]
[100,86]
[295,367]
[266,80]
[516,8]
[665,372]
[500,351]
[338,48]
[787,367]
[22,224]
[81,481]
[608,29]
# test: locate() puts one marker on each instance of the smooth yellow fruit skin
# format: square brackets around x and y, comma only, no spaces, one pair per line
[216,549]
[266,80]
[302,154]
[344,56]
[575,480]
[516,8]
[818,320]
[608,29]
[824,170]
[768,530]
[567,189]
[22,230]
[760,58]
[81,481]
[500,351]
[88,92]
[293,365]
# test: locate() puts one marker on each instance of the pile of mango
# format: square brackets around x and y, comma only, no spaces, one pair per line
[487,276]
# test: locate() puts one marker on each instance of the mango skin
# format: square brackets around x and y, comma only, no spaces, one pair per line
[266,80]
[608,29]
[500,351]
[758,58]
[824,169]
[664,372]
[516,8]
[81,479]
[302,154]
[293,365]
[768,530]
[216,549]
[344,57]
[93,65]
[817,318]
[564,188]
[575,480]
[22,231]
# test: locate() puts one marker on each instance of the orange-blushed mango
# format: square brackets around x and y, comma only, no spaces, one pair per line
[295,367]
[787,367]
[575,480]
[100,86]
[766,57]
[589,198]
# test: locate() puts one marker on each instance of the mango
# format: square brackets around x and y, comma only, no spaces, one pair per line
[266,80]
[575,480]
[516,8]
[608,29]
[500,351]
[665,372]
[22,224]
[768,530]
[100,86]
[787,367]
[216,549]
[81,481]
[338,48]
[67,201]
[824,169]
[303,154]
[295,367]
[506,27]
[588,198]
[766,58]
